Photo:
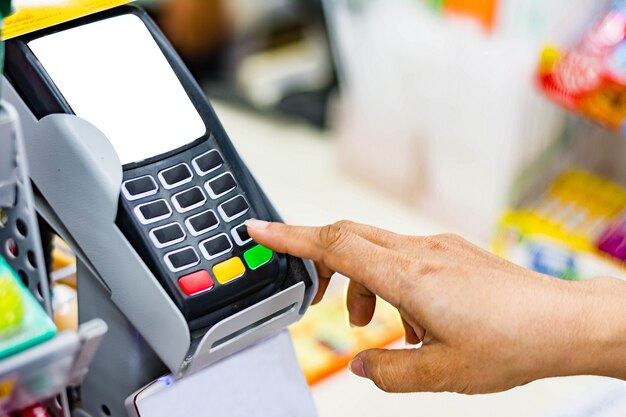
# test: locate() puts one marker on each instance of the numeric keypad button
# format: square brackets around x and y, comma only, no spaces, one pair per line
[175,176]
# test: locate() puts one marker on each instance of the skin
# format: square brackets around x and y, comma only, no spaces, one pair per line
[486,324]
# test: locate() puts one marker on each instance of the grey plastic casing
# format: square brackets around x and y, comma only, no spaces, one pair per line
[78,175]
[8,168]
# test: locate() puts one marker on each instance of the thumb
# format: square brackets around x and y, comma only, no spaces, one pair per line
[427,369]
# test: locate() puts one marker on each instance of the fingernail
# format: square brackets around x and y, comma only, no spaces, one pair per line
[256,224]
[357,368]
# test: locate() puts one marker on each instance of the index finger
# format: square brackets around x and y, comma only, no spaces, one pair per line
[381,270]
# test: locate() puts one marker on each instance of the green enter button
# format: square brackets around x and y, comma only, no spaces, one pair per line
[257,256]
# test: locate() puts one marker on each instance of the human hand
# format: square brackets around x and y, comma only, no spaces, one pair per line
[486,324]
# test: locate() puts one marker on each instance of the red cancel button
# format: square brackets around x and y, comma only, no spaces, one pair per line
[196,283]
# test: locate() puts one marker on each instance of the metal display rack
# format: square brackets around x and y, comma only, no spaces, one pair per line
[19,234]
[43,373]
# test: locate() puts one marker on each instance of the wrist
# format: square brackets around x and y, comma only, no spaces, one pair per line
[603,314]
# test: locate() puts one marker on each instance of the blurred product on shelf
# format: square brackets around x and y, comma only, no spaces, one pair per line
[484,11]
[64,296]
[63,269]
[590,77]
[613,241]
[440,113]
[568,230]
[526,18]
[65,307]
[23,323]
[324,341]
[531,19]
[12,314]
[36,410]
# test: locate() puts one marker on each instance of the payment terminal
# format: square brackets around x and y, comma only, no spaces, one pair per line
[184,192]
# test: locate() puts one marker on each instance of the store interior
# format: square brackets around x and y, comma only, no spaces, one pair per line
[498,120]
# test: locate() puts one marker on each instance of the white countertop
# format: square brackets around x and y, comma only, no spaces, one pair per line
[298,167]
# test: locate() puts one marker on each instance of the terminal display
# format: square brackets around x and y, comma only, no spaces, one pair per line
[113,74]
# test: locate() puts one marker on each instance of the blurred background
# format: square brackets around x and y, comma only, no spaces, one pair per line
[501,120]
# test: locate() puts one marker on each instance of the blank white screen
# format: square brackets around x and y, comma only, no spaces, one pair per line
[113,74]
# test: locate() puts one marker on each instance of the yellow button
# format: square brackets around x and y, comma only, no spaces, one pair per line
[229,270]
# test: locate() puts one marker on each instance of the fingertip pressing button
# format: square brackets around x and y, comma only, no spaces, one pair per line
[240,234]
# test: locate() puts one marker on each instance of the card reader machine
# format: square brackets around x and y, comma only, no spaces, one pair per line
[184,193]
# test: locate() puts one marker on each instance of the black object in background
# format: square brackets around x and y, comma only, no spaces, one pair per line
[282,63]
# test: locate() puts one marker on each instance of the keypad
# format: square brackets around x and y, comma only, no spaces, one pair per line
[196,283]
[233,208]
[208,162]
[182,259]
[153,212]
[138,188]
[189,199]
[169,235]
[220,185]
[240,234]
[216,246]
[187,223]
[202,223]
[175,176]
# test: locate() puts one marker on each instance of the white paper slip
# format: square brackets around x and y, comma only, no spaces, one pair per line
[263,380]
[607,399]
